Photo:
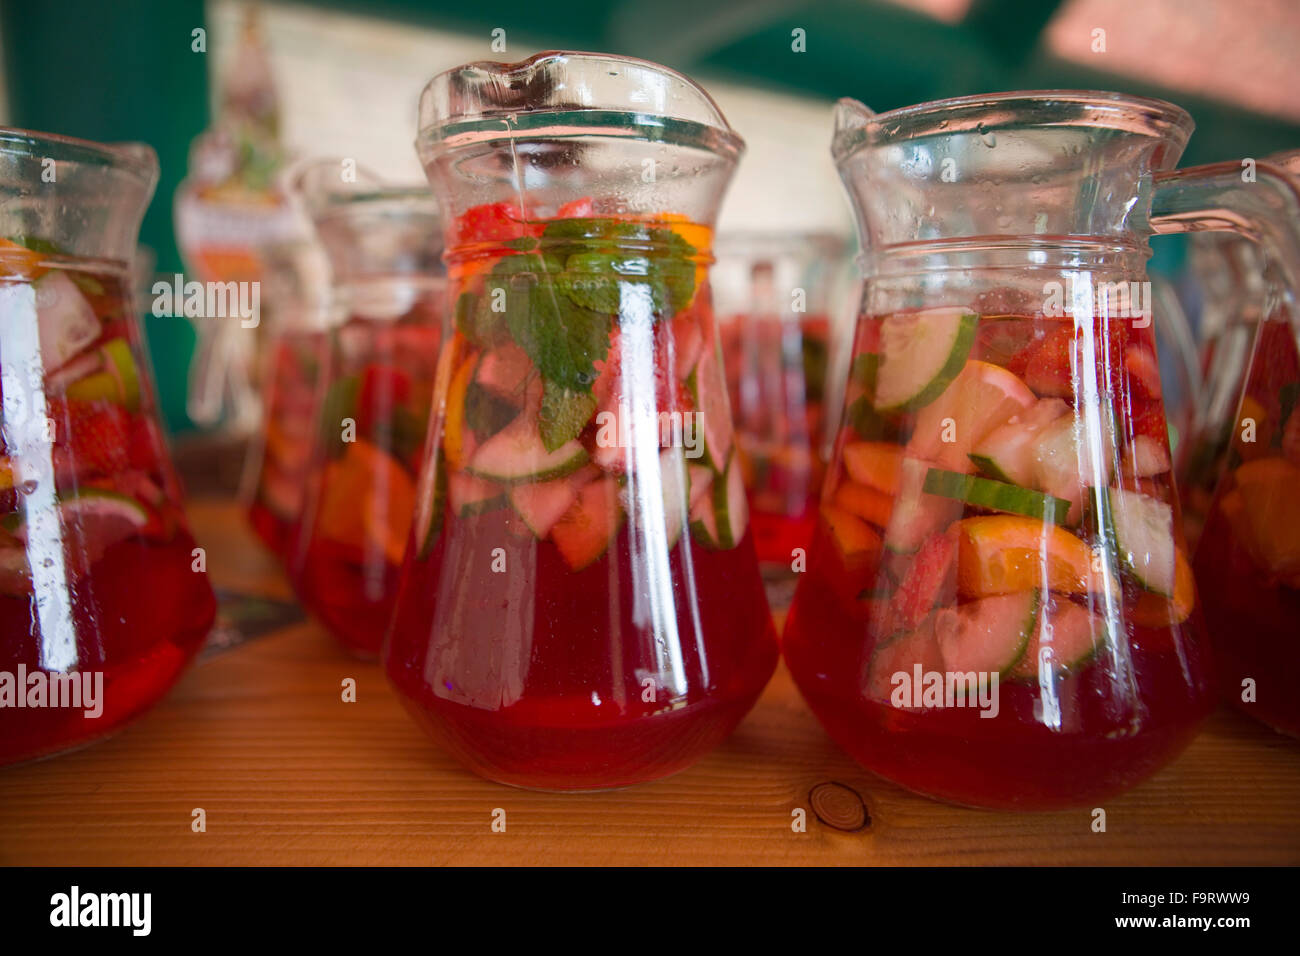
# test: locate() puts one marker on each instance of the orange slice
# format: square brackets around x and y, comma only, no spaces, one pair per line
[865,502]
[454,435]
[1270,502]
[1002,554]
[874,463]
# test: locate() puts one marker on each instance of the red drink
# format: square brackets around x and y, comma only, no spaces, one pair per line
[372,418]
[998,610]
[103,598]
[562,621]
[1248,559]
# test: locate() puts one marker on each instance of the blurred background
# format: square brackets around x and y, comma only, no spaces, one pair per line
[342,77]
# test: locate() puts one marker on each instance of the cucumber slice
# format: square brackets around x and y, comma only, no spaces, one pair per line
[996,495]
[673,475]
[704,522]
[1144,535]
[1065,636]
[701,480]
[708,391]
[921,353]
[584,532]
[471,495]
[517,453]
[730,506]
[1007,452]
[917,515]
[541,504]
[987,636]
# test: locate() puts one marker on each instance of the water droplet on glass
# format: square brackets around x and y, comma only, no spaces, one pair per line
[29,486]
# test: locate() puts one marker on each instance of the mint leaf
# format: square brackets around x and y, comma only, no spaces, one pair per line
[564,340]
[564,414]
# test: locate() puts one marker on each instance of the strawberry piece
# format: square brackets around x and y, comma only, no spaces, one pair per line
[95,434]
[582,208]
[494,222]
[1049,363]
[930,574]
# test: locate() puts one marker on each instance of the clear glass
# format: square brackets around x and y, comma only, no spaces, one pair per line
[999,609]
[774,297]
[101,605]
[1245,480]
[581,607]
[374,392]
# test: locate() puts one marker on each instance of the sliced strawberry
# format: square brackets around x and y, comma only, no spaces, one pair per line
[1049,363]
[494,222]
[582,208]
[96,435]
[930,575]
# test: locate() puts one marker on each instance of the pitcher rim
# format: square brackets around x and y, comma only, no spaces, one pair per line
[716,134]
[137,158]
[1129,112]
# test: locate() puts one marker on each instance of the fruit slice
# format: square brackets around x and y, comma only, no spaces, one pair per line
[1144,537]
[980,399]
[1073,453]
[1145,457]
[921,353]
[1007,453]
[101,518]
[874,463]
[517,453]
[987,636]
[67,323]
[113,376]
[901,656]
[585,530]
[1001,554]
[455,433]
[856,546]
[17,259]
[1153,610]
[708,391]
[701,480]
[995,495]
[368,500]
[917,515]
[471,495]
[541,504]
[928,578]
[865,502]
[1066,635]
[731,506]
[1270,492]
[505,371]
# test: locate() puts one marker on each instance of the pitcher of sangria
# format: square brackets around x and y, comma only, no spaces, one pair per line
[999,609]
[103,600]
[374,393]
[774,296]
[1247,561]
[581,607]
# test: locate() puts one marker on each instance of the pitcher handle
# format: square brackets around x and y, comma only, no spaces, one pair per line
[1218,197]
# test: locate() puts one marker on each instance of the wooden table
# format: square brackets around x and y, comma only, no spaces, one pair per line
[258,737]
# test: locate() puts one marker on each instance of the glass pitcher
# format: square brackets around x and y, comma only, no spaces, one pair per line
[582,606]
[374,394]
[1247,561]
[774,296]
[278,465]
[1000,611]
[102,596]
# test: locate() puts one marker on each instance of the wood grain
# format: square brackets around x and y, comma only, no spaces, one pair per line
[289,774]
